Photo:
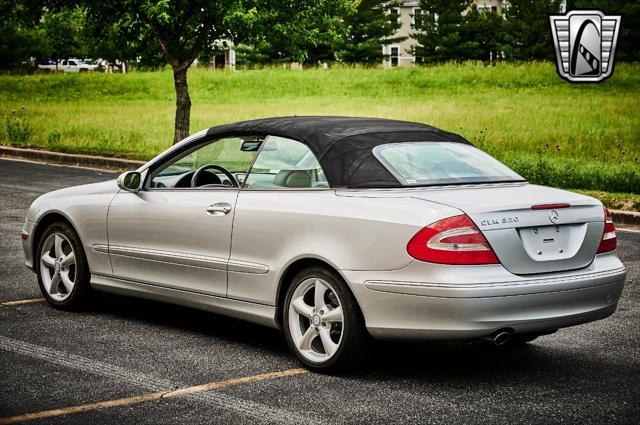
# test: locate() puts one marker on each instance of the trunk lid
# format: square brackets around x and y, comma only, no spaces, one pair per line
[528,241]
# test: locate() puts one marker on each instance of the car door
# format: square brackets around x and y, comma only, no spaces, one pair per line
[176,232]
[283,190]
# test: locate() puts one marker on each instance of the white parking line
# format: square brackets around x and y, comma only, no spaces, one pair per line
[251,410]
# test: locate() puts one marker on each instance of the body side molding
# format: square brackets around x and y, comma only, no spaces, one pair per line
[170,257]
[101,248]
[247,267]
[184,259]
[256,313]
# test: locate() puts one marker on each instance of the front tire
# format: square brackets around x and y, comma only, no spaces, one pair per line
[323,324]
[61,267]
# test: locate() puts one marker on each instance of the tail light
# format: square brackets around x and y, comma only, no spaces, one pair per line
[454,240]
[609,240]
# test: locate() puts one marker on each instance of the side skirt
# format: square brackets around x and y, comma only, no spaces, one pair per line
[256,313]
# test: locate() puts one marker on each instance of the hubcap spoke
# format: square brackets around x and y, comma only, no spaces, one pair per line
[318,296]
[333,315]
[55,281]
[69,260]
[66,281]
[58,246]
[48,260]
[304,343]
[330,347]
[301,307]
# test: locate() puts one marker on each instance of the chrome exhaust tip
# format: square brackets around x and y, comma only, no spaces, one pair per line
[499,338]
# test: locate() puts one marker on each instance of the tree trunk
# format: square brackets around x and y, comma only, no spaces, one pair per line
[183,103]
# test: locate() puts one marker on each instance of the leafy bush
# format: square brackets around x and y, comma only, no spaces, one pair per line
[17,128]
[53,140]
[622,176]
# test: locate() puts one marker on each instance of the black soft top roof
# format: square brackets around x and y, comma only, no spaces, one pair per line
[343,145]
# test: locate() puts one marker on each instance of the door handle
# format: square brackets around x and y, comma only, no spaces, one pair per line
[221,208]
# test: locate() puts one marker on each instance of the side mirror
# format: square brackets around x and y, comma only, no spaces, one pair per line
[130,181]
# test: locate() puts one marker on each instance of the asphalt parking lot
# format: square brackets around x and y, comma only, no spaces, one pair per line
[132,361]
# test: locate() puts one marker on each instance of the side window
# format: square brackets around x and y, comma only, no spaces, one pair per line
[210,161]
[284,164]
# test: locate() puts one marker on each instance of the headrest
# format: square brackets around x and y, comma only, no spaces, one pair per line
[293,178]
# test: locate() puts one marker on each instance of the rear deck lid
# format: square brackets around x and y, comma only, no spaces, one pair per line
[532,229]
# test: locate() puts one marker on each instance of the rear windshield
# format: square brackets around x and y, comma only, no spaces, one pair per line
[439,163]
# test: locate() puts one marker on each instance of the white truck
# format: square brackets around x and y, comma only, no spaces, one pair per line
[68,65]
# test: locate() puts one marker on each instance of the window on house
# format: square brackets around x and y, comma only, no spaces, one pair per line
[417,12]
[393,56]
[395,14]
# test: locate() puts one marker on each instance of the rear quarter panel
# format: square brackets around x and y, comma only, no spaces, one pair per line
[349,232]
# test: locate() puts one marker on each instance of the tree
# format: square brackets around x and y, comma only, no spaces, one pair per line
[629,32]
[301,31]
[19,39]
[527,29]
[64,33]
[19,43]
[124,40]
[367,30]
[183,29]
[482,33]
[439,33]
[186,29]
[31,30]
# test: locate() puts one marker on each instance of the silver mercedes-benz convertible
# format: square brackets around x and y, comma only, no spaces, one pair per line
[334,229]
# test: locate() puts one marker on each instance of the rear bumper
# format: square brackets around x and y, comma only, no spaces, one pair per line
[413,310]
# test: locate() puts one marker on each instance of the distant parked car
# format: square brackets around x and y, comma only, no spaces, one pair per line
[68,65]
[100,64]
[333,229]
[47,65]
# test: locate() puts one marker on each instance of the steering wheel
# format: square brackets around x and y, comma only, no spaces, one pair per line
[199,171]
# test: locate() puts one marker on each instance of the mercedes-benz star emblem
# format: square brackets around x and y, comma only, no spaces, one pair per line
[554,216]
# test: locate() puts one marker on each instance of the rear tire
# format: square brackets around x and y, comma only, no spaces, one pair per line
[323,324]
[62,269]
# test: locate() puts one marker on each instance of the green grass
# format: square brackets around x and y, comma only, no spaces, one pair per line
[616,201]
[550,131]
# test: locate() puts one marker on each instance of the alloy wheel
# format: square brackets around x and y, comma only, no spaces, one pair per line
[58,266]
[316,320]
